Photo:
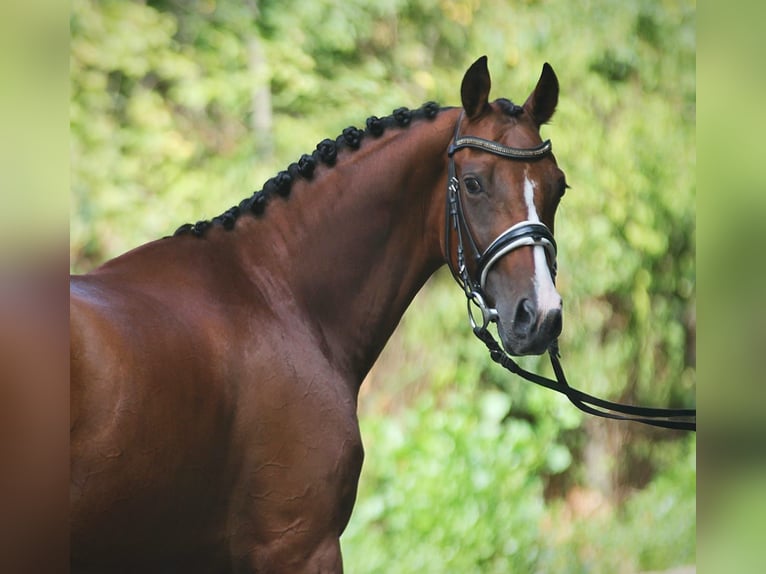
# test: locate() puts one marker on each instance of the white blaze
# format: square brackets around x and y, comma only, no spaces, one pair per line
[545,291]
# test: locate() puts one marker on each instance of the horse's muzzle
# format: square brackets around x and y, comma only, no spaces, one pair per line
[530,330]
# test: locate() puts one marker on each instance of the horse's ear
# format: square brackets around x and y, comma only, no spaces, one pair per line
[474,91]
[541,103]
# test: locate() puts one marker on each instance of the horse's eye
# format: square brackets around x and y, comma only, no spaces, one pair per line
[472,185]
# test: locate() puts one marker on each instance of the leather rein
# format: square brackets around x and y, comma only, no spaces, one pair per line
[526,233]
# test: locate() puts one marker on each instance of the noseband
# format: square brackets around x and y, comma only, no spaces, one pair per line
[525,233]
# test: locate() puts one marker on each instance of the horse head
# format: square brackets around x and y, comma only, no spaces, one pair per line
[505,188]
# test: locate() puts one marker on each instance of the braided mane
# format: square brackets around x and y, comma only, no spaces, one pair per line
[326,153]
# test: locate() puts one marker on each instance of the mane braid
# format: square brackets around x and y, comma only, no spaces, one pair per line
[326,153]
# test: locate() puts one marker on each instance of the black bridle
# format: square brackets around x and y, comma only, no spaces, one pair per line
[526,233]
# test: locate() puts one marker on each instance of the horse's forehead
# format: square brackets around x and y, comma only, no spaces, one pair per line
[516,132]
[521,132]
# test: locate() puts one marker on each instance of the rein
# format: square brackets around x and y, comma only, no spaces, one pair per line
[526,233]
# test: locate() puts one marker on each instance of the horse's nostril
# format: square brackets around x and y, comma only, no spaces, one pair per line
[525,317]
[555,322]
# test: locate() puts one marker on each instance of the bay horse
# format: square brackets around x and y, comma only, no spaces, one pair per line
[215,372]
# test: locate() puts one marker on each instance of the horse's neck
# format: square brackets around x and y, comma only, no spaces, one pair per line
[357,243]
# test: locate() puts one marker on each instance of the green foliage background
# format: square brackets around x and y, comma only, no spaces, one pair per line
[467,470]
